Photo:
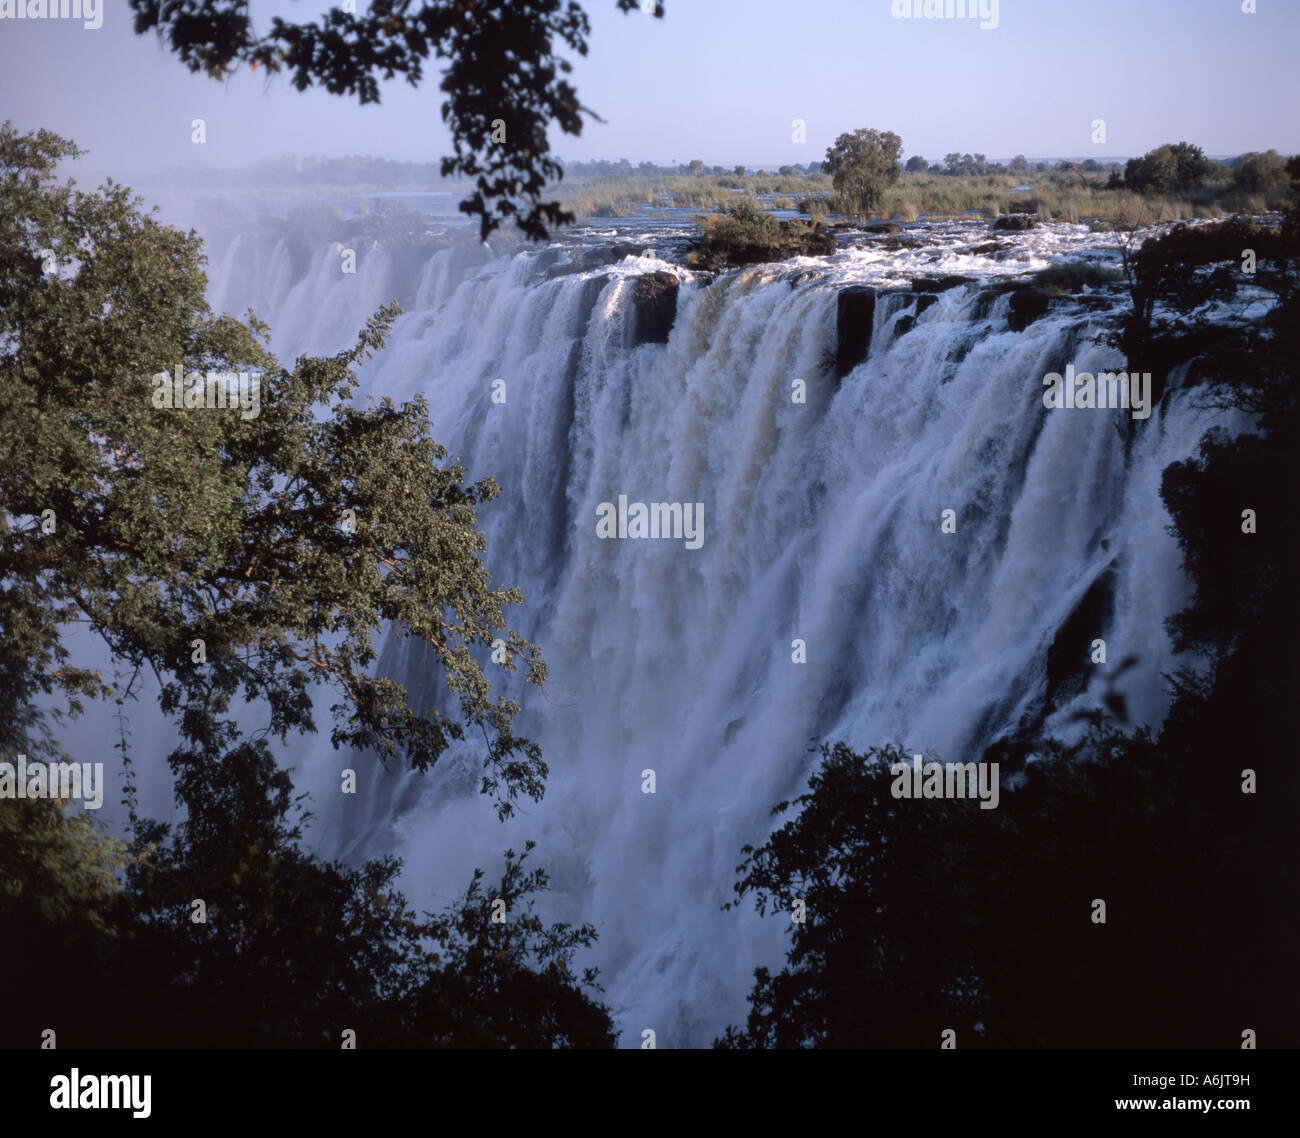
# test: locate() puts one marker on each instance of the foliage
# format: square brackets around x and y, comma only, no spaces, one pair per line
[56,865]
[502,67]
[746,235]
[1256,172]
[862,164]
[228,530]
[1168,169]
[177,526]
[1071,276]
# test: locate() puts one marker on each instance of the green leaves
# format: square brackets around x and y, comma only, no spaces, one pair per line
[862,164]
[200,523]
[501,70]
[284,542]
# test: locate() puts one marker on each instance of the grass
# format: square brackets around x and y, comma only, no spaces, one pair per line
[1054,196]
[587,196]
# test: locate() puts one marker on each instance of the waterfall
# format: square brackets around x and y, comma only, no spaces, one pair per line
[821,524]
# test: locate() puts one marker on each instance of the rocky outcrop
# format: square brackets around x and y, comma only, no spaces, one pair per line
[728,249]
[1014,222]
[654,304]
[1027,305]
[1069,655]
[855,313]
[939,284]
[903,324]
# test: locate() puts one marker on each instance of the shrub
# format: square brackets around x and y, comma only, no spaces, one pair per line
[1070,276]
[1170,167]
[746,235]
[1256,171]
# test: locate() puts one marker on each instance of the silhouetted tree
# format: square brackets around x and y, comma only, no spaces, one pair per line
[504,83]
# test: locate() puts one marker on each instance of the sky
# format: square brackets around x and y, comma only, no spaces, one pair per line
[722,80]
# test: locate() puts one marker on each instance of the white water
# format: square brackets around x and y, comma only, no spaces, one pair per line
[821,522]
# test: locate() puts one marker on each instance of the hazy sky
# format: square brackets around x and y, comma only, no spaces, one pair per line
[722,80]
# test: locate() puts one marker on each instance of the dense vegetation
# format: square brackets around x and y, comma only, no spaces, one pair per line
[238,562]
[1066,191]
[744,235]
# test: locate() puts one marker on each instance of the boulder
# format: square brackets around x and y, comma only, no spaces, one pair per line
[939,284]
[1027,305]
[1014,221]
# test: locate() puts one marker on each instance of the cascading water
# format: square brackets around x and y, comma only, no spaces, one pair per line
[821,524]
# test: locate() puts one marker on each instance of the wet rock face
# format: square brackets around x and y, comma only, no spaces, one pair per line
[939,284]
[855,312]
[654,302]
[1027,305]
[1068,666]
[1014,221]
[923,301]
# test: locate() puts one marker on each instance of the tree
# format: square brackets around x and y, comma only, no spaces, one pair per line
[240,556]
[788,171]
[917,165]
[929,914]
[1168,168]
[862,164]
[696,167]
[504,82]
[739,171]
[1258,173]
[230,530]
[1018,165]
